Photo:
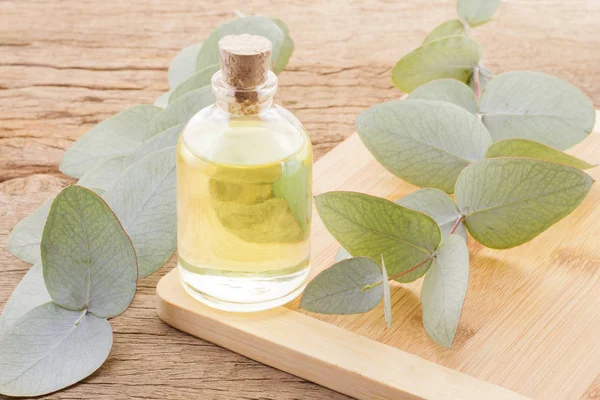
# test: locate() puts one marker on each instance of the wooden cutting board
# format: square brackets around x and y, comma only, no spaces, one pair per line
[529,329]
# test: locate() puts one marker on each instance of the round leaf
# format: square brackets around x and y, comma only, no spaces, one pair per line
[24,240]
[180,111]
[448,28]
[536,106]
[427,143]
[374,227]
[530,149]
[448,90]
[340,289]
[183,65]
[88,260]
[198,80]
[144,199]
[287,47]
[118,135]
[438,205]
[452,57]
[103,174]
[444,289]
[163,100]
[50,348]
[477,12]
[509,201]
[158,142]
[342,254]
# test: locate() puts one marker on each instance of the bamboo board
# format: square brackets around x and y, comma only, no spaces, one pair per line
[529,327]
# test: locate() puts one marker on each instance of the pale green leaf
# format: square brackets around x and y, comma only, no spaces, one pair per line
[374,227]
[119,135]
[50,348]
[163,100]
[294,186]
[340,289]
[88,260]
[342,254]
[29,293]
[180,111]
[158,142]
[530,149]
[477,12]
[261,26]
[183,65]
[199,80]
[536,106]
[444,289]
[387,298]
[103,174]
[143,198]
[448,28]
[448,90]
[427,143]
[438,205]
[287,47]
[24,240]
[509,201]
[485,76]
[452,57]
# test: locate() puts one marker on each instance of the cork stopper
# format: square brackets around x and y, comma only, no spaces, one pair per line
[245,60]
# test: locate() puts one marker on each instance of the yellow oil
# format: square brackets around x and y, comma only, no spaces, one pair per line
[244,209]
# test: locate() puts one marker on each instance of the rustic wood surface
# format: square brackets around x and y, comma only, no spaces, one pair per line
[68,64]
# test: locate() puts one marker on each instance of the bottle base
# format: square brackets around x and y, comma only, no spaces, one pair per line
[243,293]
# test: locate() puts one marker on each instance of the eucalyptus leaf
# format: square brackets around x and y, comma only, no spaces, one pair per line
[103,174]
[452,57]
[342,254]
[340,289]
[438,205]
[448,28]
[199,80]
[536,106]
[29,293]
[118,135]
[295,188]
[444,289]
[427,143]
[50,348]
[183,65]
[24,241]
[143,198]
[448,90]
[89,262]
[485,76]
[180,111]
[163,100]
[387,298]
[160,141]
[509,201]
[374,227]
[287,47]
[530,149]
[261,26]
[477,12]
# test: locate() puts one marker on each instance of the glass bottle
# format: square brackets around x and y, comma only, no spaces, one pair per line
[244,200]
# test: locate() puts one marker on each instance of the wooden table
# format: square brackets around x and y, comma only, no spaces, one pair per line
[66,65]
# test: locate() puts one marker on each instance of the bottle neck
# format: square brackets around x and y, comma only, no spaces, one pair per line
[244,101]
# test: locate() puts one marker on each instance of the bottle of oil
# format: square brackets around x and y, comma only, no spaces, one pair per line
[244,175]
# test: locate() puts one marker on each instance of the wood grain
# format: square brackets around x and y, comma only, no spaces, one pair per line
[66,65]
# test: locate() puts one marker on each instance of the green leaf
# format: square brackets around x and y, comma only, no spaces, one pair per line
[89,262]
[485,76]
[448,90]
[477,12]
[427,143]
[342,254]
[103,174]
[163,100]
[183,65]
[261,26]
[452,57]
[509,201]
[287,47]
[448,28]
[340,289]
[530,149]
[438,205]
[143,198]
[180,111]
[50,348]
[24,241]
[444,289]
[374,227]
[295,187]
[168,138]
[120,134]
[536,106]
[199,80]
[29,293]
[387,298]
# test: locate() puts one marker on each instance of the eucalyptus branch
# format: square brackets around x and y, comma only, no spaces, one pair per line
[456,224]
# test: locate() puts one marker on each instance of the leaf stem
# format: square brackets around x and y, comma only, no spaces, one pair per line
[457,223]
[408,271]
